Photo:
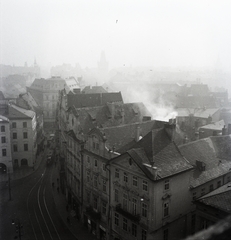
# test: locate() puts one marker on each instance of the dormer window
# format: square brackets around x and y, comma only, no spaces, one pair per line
[95,143]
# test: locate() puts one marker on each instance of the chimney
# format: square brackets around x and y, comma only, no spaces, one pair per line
[137,134]
[152,169]
[229,128]
[224,131]
[170,129]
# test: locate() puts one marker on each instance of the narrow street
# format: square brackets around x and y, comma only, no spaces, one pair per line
[32,207]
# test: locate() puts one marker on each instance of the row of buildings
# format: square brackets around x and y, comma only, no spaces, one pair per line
[124,174]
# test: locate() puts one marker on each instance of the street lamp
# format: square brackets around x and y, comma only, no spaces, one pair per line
[18,227]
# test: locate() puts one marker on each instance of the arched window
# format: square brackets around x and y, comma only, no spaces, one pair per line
[24,162]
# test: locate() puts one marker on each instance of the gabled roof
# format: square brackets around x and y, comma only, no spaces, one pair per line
[196,102]
[123,136]
[214,152]
[92,99]
[94,89]
[219,198]
[170,161]
[214,126]
[197,112]
[102,116]
[16,112]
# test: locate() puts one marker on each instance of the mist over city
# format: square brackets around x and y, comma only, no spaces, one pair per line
[115,119]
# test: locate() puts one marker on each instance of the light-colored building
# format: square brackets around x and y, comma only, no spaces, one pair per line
[46,94]
[5,146]
[23,136]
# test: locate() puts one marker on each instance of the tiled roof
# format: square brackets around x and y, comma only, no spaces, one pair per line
[16,112]
[92,99]
[214,126]
[218,199]
[214,152]
[197,112]
[170,161]
[94,89]
[121,136]
[197,102]
[102,116]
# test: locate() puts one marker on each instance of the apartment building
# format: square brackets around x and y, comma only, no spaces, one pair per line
[23,135]
[5,146]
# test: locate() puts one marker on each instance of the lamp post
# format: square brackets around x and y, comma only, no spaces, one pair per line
[18,227]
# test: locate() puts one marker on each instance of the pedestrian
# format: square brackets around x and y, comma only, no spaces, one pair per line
[53,185]
[58,180]
[58,189]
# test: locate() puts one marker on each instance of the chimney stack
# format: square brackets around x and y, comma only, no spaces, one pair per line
[224,130]
[137,134]
[229,128]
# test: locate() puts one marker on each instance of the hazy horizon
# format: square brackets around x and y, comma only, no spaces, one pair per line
[134,33]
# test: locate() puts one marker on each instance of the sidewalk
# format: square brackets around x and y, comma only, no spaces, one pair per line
[23,171]
[75,226]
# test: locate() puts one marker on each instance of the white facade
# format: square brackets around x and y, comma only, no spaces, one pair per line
[5,146]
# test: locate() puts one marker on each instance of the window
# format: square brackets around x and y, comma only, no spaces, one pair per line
[145,185]
[96,163]
[104,167]
[228,179]
[117,174]
[202,191]
[166,184]
[104,208]
[104,186]
[135,181]
[144,209]
[14,135]
[3,139]
[125,224]
[125,177]
[88,197]
[2,128]
[116,195]
[95,181]
[218,184]
[194,196]
[134,230]
[88,176]
[144,235]
[125,201]
[116,219]
[25,135]
[95,203]
[24,124]
[15,147]
[25,147]
[3,152]
[166,209]
[211,188]
[14,125]
[134,206]
[165,234]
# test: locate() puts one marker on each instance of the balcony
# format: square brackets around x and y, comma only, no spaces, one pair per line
[92,213]
[134,218]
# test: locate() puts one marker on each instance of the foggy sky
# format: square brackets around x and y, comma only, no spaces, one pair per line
[131,32]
